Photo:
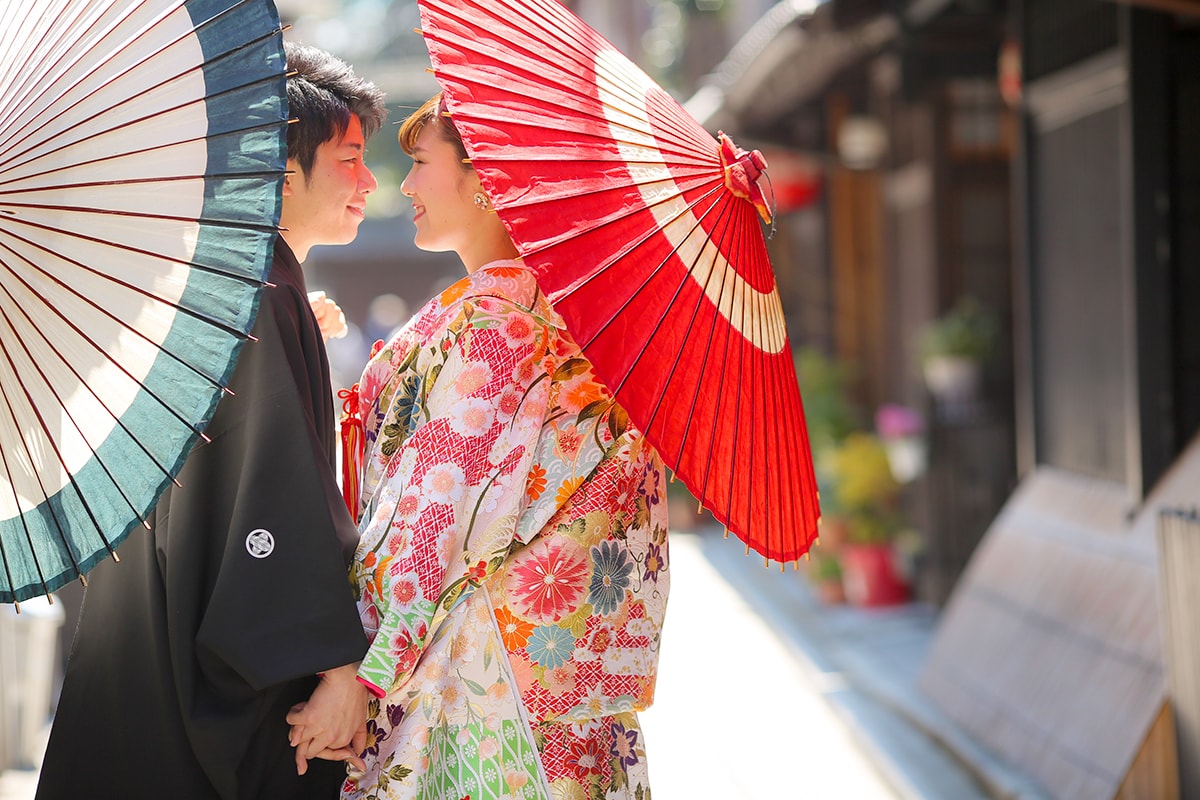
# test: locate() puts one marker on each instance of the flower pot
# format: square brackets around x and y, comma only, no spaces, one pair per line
[907,456]
[953,377]
[870,577]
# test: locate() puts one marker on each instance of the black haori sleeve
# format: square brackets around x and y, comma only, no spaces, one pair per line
[281,605]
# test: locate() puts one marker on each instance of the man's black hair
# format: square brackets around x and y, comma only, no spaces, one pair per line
[322,94]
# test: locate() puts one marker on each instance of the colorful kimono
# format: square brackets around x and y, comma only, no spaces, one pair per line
[512,568]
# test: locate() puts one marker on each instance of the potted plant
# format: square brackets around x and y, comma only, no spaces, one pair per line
[825,574]
[866,497]
[902,431]
[954,347]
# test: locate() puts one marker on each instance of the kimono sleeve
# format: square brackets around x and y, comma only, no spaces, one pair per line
[446,513]
[263,500]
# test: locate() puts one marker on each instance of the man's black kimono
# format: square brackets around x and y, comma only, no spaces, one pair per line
[191,649]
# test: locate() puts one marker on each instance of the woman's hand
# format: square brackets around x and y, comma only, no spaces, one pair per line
[333,723]
[330,318]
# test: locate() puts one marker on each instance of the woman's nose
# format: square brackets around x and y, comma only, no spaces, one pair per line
[405,189]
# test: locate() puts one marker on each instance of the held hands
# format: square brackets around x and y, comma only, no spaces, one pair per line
[333,723]
[330,318]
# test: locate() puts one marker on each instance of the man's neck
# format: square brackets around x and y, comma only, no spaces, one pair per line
[298,247]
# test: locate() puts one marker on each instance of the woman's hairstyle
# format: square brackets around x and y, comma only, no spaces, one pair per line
[323,92]
[432,112]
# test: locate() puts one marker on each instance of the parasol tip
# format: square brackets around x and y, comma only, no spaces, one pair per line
[83,580]
[17,607]
[742,171]
[117,558]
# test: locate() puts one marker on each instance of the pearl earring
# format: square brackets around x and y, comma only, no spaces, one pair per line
[481,201]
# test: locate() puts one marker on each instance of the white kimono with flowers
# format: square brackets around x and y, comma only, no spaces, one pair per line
[512,569]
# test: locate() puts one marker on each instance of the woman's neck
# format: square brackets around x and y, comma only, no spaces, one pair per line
[495,245]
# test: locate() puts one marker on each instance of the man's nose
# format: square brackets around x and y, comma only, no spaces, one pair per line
[366,181]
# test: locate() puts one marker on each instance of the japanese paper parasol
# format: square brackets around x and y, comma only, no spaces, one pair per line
[643,229]
[142,150]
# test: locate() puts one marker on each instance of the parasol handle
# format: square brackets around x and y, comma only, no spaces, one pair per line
[742,171]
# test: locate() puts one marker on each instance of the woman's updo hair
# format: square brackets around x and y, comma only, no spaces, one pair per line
[432,112]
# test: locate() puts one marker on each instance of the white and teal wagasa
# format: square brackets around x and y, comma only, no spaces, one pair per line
[142,149]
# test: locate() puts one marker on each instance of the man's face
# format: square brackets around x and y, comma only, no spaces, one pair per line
[325,206]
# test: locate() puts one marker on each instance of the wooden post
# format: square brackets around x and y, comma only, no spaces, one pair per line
[1179,560]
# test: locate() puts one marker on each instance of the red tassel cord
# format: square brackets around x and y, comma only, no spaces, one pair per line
[353,448]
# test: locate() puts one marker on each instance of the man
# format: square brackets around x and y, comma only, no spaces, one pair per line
[191,651]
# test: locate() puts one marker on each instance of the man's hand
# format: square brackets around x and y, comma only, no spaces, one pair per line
[330,318]
[333,723]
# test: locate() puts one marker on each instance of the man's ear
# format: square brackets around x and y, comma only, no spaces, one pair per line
[294,174]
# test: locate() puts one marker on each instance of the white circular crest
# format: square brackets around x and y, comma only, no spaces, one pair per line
[260,543]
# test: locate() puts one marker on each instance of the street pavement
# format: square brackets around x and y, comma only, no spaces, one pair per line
[766,694]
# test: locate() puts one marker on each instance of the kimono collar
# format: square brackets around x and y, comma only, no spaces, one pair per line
[513,280]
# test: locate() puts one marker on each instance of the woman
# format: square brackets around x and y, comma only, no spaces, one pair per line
[512,568]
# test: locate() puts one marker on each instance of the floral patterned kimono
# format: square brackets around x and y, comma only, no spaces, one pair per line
[512,568]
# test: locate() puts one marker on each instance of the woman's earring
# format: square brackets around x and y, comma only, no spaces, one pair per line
[481,201]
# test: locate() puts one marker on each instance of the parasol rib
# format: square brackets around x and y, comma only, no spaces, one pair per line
[712,331]
[34,83]
[54,445]
[716,417]
[616,257]
[724,213]
[202,101]
[25,445]
[247,279]
[543,37]
[142,152]
[537,73]
[150,55]
[37,82]
[82,335]
[227,329]
[224,223]
[143,181]
[626,249]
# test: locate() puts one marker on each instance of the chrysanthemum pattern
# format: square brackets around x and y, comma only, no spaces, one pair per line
[512,568]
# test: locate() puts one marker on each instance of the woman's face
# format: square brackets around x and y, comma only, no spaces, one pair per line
[442,190]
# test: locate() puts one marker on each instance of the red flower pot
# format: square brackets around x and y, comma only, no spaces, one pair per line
[870,577]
